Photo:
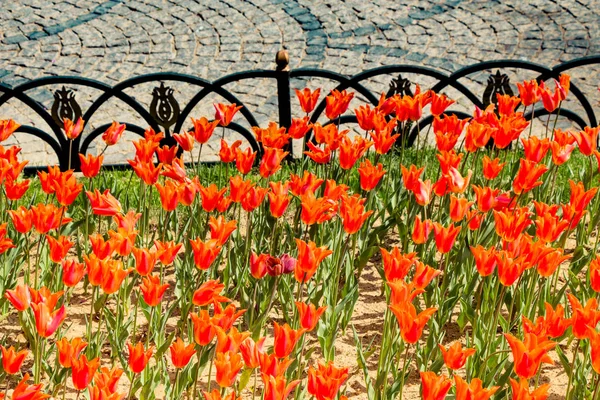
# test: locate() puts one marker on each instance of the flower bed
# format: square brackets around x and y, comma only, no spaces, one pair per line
[179,280]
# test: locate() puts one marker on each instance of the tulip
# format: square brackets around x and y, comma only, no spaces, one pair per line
[209,293]
[69,350]
[228,366]
[529,354]
[455,356]
[83,371]
[114,132]
[138,357]
[434,387]
[90,165]
[309,315]
[324,382]
[285,339]
[224,113]
[12,360]
[181,354]
[308,100]
[203,129]
[152,290]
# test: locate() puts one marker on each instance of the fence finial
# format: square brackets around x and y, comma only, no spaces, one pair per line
[282,59]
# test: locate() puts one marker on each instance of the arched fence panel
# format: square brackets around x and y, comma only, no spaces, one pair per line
[166,111]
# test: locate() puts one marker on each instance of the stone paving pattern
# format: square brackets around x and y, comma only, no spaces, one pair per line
[113,40]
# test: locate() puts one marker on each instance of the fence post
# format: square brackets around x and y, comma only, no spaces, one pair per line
[282,60]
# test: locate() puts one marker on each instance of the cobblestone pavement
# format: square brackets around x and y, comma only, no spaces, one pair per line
[116,39]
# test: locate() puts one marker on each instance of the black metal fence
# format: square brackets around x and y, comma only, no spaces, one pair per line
[167,115]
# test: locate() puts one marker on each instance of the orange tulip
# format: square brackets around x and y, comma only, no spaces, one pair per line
[455,356]
[395,264]
[104,204]
[152,290]
[167,154]
[370,175]
[271,137]
[299,127]
[47,321]
[351,151]
[276,387]
[318,155]
[122,241]
[439,103]
[251,352]
[20,297]
[595,274]
[69,350]
[220,229]
[138,357]
[144,151]
[48,217]
[90,165]
[434,387]
[210,196]
[227,154]
[100,247]
[203,129]
[309,258]
[58,248]
[203,328]
[383,140]
[113,275]
[12,360]
[83,371]
[411,324]
[112,135]
[549,227]
[459,208]
[271,161]
[145,260]
[508,129]
[228,366]
[147,171]
[308,100]
[73,129]
[25,391]
[477,136]
[528,92]
[424,274]
[7,128]
[447,130]
[244,160]
[73,271]
[535,148]
[491,168]
[337,103]
[473,390]
[550,262]
[309,315]
[528,355]
[587,140]
[270,365]
[506,104]
[205,253]
[352,212]
[169,195]
[583,318]
[181,354]
[324,382]
[421,230]
[167,251]
[185,140]
[285,339]
[229,341]
[209,293]
[224,113]
[108,379]
[307,183]
[253,198]
[510,225]
[258,265]
[485,260]
[278,198]
[445,237]
[15,190]
[21,219]
[562,147]
[521,391]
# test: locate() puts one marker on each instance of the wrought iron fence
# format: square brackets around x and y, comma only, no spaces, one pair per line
[166,114]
